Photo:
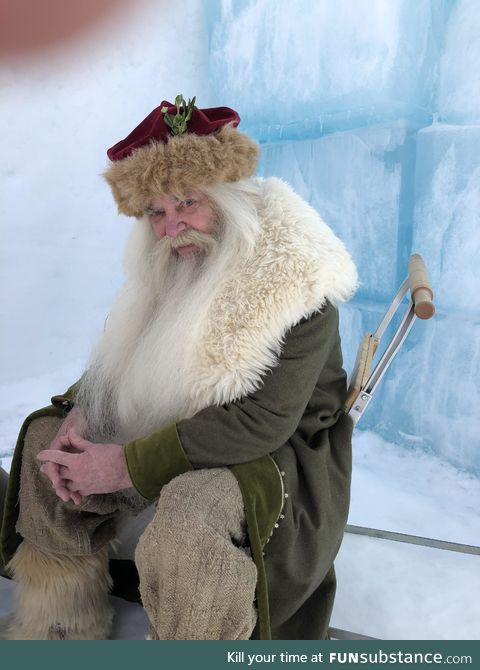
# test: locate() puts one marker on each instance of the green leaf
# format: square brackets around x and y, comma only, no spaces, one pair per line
[178,123]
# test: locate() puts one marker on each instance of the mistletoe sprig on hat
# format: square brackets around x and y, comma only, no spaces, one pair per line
[178,122]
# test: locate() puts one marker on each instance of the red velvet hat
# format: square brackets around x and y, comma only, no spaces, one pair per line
[176,148]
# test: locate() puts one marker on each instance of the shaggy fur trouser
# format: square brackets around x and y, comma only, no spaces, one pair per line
[197,580]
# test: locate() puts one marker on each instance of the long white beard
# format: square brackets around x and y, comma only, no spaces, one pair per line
[140,376]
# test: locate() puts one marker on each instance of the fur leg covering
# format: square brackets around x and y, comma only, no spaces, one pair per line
[197,582]
[59,597]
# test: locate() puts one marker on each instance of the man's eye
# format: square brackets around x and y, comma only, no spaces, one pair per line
[155,212]
[188,202]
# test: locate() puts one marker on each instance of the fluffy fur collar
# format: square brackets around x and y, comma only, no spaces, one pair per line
[298,265]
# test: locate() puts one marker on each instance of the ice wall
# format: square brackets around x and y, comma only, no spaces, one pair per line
[372,110]
[300,69]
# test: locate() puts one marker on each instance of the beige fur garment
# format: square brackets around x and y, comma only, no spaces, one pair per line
[269,293]
[59,596]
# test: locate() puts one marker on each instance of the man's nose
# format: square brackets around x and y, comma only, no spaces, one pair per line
[174,226]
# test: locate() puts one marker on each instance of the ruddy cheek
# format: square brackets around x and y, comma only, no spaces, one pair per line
[206,225]
[158,230]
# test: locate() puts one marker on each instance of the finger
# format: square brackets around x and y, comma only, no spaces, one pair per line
[62,470]
[55,443]
[76,497]
[58,436]
[79,442]
[51,471]
[71,486]
[63,441]
[62,493]
[68,496]
[57,456]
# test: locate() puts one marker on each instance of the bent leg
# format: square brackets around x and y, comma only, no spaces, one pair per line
[197,581]
[61,567]
[317,610]
[44,519]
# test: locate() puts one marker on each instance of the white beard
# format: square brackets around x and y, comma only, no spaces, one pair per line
[140,378]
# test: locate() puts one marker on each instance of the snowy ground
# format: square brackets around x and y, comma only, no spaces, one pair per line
[386,589]
[397,591]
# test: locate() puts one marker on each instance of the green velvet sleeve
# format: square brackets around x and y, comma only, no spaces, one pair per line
[154,460]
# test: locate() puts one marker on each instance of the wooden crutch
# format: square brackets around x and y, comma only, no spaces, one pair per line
[363,381]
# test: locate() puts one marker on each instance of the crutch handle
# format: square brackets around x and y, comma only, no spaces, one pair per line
[420,287]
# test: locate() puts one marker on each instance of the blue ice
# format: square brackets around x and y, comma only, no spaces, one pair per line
[371,110]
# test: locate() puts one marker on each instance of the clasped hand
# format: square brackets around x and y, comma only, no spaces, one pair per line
[77,467]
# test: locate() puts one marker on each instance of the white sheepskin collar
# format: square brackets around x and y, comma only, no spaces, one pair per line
[298,265]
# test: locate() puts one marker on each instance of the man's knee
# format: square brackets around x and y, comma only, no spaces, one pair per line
[196,580]
[39,435]
[47,521]
[199,507]
[204,498]
[35,487]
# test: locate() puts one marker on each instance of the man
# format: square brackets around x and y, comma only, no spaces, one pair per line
[216,391]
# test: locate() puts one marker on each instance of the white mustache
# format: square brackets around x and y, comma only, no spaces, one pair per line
[205,241]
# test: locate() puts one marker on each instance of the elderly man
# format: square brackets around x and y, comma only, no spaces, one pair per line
[211,412]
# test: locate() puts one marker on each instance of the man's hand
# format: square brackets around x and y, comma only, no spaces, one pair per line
[93,468]
[75,419]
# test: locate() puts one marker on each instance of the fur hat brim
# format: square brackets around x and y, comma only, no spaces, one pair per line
[184,162]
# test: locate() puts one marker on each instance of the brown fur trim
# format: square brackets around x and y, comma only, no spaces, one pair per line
[184,162]
[59,596]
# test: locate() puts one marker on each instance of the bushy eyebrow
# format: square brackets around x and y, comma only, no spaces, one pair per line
[196,195]
[189,195]
[152,210]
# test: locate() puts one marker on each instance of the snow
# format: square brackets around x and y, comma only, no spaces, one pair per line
[392,590]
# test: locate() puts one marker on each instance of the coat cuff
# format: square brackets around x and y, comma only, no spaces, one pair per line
[154,460]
